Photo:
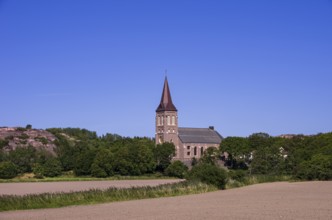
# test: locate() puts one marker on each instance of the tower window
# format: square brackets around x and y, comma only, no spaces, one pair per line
[173,120]
[162,120]
[158,120]
[168,120]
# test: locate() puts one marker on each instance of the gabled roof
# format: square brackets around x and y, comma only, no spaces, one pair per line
[199,135]
[166,103]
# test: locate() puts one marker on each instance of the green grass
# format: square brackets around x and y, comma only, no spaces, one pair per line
[72,177]
[255,179]
[54,200]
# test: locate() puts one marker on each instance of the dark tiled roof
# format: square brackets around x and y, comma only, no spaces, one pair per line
[199,135]
[166,103]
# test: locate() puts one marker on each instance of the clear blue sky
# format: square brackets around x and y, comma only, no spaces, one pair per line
[242,66]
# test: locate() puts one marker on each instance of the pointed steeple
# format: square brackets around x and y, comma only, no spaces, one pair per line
[166,103]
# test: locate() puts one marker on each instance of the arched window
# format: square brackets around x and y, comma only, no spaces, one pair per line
[173,120]
[202,151]
[158,120]
[195,151]
[162,120]
[168,120]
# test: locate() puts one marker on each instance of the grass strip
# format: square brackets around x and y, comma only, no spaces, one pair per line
[256,179]
[87,178]
[54,200]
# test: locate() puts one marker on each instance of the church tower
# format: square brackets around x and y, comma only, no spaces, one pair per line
[167,119]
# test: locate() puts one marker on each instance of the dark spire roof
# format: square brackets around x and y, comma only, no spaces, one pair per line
[166,103]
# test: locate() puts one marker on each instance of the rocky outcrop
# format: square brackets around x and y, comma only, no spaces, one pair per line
[12,138]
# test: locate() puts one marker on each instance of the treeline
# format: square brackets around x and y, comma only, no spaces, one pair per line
[85,153]
[303,157]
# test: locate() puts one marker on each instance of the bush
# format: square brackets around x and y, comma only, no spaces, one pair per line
[3,143]
[8,170]
[38,171]
[210,174]
[83,162]
[21,129]
[52,167]
[23,158]
[176,169]
[237,175]
[97,171]
[319,167]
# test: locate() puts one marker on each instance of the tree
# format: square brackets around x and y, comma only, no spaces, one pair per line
[319,167]
[194,161]
[210,174]
[176,169]
[267,160]
[66,152]
[8,170]
[28,127]
[52,167]
[23,158]
[122,164]
[38,171]
[210,156]
[238,152]
[163,155]
[141,156]
[102,164]
[259,140]
[3,143]
[83,162]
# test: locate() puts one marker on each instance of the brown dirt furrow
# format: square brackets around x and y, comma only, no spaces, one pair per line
[303,200]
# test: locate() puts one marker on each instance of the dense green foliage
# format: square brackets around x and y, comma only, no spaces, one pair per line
[52,167]
[52,200]
[176,169]
[303,157]
[163,155]
[23,158]
[8,170]
[209,174]
[86,154]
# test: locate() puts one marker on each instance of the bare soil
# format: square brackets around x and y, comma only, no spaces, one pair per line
[282,200]
[52,187]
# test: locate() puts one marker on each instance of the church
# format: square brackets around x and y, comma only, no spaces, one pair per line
[189,142]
